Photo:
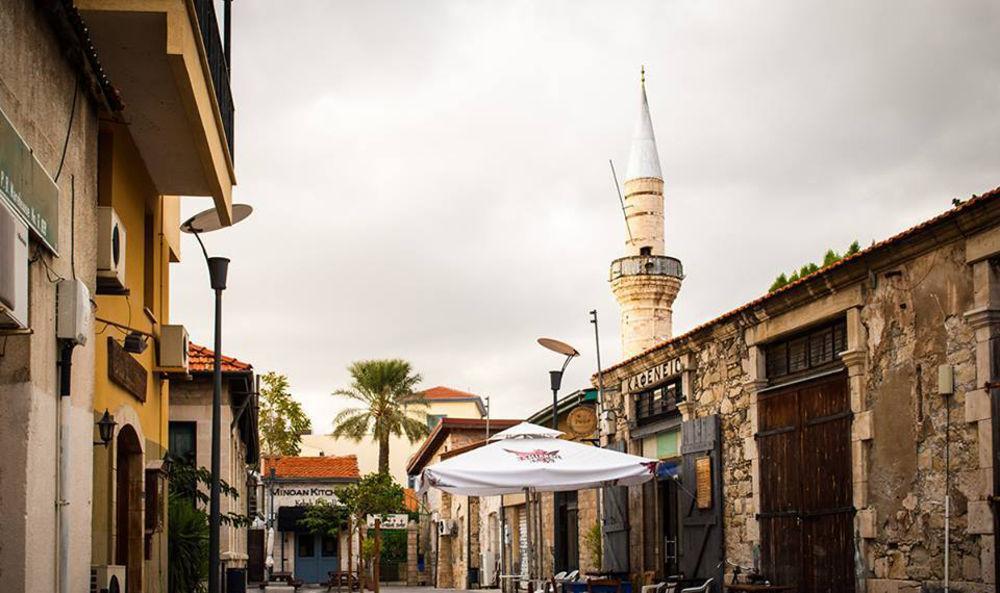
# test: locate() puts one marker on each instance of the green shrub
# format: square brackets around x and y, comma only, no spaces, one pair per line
[187,541]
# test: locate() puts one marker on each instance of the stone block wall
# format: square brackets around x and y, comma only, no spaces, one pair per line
[902,326]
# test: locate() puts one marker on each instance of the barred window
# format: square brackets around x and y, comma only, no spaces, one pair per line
[815,350]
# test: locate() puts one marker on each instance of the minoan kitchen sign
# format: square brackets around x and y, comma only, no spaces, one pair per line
[302,495]
[655,374]
[26,186]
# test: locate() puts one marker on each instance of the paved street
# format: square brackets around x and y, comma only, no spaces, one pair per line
[402,589]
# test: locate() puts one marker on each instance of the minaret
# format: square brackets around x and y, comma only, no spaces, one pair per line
[645,282]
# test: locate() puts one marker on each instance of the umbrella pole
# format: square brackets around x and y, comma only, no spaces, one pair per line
[530,527]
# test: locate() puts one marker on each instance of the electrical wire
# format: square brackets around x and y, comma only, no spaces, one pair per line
[69,128]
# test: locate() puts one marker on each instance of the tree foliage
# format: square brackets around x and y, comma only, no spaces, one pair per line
[829,258]
[282,420]
[187,546]
[376,493]
[193,484]
[324,517]
[389,406]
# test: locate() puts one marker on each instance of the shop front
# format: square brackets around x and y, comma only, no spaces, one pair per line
[296,484]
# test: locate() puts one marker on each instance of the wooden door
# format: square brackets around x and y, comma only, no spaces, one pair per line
[701,500]
[255,555]
[615,548]
[807,512]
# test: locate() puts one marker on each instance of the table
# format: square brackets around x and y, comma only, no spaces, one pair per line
[581,587]
[748,588]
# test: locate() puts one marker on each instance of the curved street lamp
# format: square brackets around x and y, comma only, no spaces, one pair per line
[206,222]
[555,377]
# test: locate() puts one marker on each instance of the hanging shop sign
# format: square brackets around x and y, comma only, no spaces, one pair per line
[26,186]
[395,521]
[125,371]
[655,374]
[582,421]
[303,495]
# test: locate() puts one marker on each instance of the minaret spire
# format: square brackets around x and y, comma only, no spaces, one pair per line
[646,281]
[644,159]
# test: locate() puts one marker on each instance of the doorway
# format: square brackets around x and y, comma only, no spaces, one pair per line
[129,475]
[566,532]
[807,512]
[315,556]
[670,529]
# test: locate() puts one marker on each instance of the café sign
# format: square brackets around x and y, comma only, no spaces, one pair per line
[395,521]
[655,374]
[26,187]
[300,496]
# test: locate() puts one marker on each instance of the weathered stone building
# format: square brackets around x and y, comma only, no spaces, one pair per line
[450,530]
[839,433]
[836,416]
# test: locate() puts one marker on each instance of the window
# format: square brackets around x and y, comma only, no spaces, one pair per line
[645,251]
[809,352]
[184,441]
[658,402]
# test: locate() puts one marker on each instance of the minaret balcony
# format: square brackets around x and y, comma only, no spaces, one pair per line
[647,265]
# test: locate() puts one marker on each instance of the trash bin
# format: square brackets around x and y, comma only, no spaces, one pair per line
[236,580]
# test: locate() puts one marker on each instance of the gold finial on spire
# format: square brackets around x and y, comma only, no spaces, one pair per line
[643,74]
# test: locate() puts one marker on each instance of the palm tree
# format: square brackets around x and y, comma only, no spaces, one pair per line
[390,407]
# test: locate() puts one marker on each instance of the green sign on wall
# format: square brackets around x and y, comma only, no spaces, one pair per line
[26,186]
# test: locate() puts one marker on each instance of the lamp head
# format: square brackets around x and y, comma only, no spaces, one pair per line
[208,220]
[558,347]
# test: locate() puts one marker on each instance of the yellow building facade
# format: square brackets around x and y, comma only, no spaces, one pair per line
[173,138]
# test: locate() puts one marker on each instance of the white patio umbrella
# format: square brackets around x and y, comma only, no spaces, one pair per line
[269,546]
[531,456]
[528,457]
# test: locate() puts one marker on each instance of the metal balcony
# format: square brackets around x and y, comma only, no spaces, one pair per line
[646,265]
[218,66]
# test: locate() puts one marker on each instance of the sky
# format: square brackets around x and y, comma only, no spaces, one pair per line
[430,179]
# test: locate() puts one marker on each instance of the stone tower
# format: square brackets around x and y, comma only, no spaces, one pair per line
[645,282]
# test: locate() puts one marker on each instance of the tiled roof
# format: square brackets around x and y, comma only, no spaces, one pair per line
[200,360]
[974,201]
[441,392]
[328,466]
[446,426]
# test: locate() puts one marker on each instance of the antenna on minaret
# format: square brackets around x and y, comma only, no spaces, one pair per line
[642,75]
[621,200]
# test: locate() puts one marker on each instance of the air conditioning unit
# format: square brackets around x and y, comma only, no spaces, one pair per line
[173,347]
[13,270]
[446,527]
[107,579]
[110,250]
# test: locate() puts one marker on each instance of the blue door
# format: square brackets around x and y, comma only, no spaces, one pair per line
[315,557]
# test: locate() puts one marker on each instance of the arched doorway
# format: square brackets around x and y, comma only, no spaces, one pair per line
[128,507]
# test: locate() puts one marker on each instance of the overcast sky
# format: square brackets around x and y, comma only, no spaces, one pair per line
[430,179]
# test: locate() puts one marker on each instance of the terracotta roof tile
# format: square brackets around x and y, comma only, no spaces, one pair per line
[975,200]
[328,466]
[441,392]
[200,360]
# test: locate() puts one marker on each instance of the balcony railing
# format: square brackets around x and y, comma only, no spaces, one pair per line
[652,265]
[218,66]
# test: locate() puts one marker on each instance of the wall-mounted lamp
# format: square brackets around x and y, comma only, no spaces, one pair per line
[106,428]
[135,343]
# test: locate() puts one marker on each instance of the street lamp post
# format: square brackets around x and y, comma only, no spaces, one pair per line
[206,222]
[555,377]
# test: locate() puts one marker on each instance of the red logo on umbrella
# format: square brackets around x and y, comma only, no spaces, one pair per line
[536,456]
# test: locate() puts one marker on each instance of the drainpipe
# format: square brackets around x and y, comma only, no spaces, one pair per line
[62,477]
